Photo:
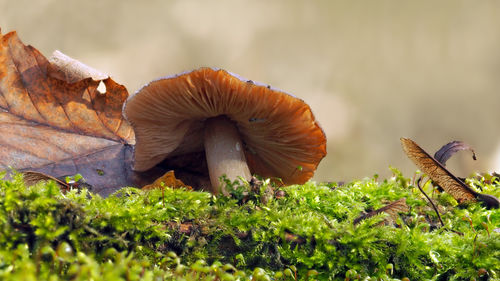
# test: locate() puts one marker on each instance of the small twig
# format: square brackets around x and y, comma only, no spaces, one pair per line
[433,206]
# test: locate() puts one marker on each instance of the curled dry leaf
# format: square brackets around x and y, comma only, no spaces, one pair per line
[392,209]
[445,152]
[442,177]
[53,124]
[70,70]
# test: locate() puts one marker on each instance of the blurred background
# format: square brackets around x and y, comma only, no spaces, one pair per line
[372,71]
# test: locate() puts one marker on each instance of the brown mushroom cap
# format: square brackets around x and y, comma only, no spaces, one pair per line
[280,134]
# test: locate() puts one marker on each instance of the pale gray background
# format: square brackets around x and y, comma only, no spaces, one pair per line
[372,71]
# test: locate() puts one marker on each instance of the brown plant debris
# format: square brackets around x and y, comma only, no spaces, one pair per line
[444,178]
[392,209]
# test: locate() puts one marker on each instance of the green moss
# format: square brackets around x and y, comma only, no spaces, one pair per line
[177,234]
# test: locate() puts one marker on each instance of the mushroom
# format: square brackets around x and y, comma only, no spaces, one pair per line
[244,128]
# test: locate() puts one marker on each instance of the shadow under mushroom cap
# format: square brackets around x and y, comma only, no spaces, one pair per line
[280,134]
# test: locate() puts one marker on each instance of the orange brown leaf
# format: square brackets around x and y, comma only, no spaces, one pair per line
[167,180]
[438,174]
[53,124]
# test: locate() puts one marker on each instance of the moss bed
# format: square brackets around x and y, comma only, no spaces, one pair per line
[302,232]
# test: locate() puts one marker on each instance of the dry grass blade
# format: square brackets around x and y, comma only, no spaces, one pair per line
[438,174]
[392,209]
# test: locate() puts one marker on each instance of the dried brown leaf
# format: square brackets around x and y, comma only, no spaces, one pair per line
[167,180]
[31,178]
[392,209]
[437,172]
[398,206]
[53,123]
[442,177]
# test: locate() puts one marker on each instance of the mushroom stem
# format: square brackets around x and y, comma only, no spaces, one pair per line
[224,152]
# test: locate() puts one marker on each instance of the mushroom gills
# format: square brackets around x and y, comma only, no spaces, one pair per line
[224,152]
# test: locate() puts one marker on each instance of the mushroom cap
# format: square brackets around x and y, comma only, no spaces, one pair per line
[279,132]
